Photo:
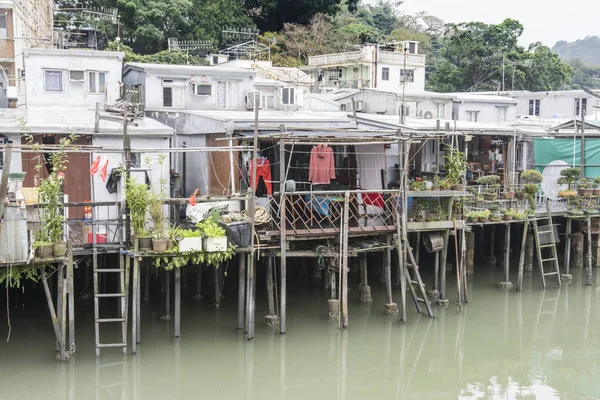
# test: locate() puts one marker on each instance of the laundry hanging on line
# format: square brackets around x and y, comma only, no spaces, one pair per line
[263,170]
[321,169]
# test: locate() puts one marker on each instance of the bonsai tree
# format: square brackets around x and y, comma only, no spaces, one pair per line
[531,176]
[492,185]
[456,165]
[597,182]
[569,177]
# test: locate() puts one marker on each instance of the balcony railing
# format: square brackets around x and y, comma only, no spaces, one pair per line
[337,58]
[413,60]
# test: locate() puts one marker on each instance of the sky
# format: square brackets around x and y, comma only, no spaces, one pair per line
[547,21]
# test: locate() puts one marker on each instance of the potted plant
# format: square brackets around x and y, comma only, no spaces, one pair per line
[597,186]
[458,208]
[420,215]
[428,185]
[585,188]
[456,167]
[492,186]
[437,183]
[445,185]
[471,216]
[137,196]
[496,216]
[509,195]
[42,245]
[417,185]
[531,176]
[569,176]
[509,214]
[214,235]
[483,215]
[156,198]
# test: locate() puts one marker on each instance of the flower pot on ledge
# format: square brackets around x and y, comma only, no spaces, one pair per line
[59,249]
[160,245]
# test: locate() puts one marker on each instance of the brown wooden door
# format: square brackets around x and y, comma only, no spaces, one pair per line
[77,175]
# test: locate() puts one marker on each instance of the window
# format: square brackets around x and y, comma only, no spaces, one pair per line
[173,93]
[77,76]
[440,110]
[288,95]
[215,60]
[97,82]
[501,114]
[53,81]
[473,116]
[580,106]
[201,89]
[250,97]
[3,30]
[412,48]
[407,75]
[385,74]
[534,107]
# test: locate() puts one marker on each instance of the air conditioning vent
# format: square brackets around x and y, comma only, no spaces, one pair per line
[427,114]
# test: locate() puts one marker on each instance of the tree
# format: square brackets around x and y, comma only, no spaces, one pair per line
[162,57]
[211,16]
[585,76]
[477,56]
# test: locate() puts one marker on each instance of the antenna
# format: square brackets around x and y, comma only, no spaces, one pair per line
[189,45]
[240,34]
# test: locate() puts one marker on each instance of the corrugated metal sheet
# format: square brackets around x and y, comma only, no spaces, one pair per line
[14,244]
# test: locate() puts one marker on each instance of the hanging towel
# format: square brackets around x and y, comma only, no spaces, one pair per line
[263,170]
[321,169]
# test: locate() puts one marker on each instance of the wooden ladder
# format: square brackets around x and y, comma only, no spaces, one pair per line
[122,317]
[546,229]
[413,277]
[546,316]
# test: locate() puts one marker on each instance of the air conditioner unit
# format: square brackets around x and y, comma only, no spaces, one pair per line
[77,76]
[358,105]
[428,114]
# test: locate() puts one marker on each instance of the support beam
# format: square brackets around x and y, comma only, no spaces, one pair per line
[71,296]
[364,289]
[522,255]
[177,326]
[506,284]
[241,289]
[390,307]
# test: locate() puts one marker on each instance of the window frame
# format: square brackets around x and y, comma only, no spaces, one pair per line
[96,82]
[5,29]
[194,89]
[440,110]
[173,84]
[471,114]
[410,73]
[291,96]
[504,111]
[62,81]
[534,107]
[385,73]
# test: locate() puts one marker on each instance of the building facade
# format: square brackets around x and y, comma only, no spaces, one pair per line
[396,67]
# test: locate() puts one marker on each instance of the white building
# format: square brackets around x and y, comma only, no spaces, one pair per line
[565,104]
[394,68]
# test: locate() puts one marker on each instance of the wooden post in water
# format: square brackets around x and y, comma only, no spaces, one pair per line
[507,284]
[390,307]
[71,292]
[241,289]
[217,272]
[522,255]
[148,271]
[269,276]
[444,259]
[567,272]
[344,265]
[135,294]
[577,242]
[167,294]
[283,239]
[364,289]
[198,295]
[177,302]
[470,261]
[59,298]
[492,257]
[529,245]
[588,272]
[63,321]
[50,303]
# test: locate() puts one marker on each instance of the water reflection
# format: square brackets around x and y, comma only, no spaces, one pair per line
[503,345]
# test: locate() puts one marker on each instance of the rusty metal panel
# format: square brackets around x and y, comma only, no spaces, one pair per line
[14,243]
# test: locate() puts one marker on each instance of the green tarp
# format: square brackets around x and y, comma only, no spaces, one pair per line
[548,150]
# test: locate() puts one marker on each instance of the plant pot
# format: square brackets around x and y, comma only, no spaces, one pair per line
[428,185]
[44,251]
[567,193]
[420,219]
[144,244]
[160,245]
[472,220]
[596,192]
[581,192]
[508,218]
[171,244]
[496,219]
[458,187]
[458,217]
[59,249]
[509,195]
[588,192]
[490,197]
[483,220]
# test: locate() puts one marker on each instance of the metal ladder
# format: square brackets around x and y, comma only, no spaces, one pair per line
[553,258]
[122,318]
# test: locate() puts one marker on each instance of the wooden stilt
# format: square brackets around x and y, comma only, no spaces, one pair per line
[344,303]
[59,297]
[588,272]
[50,302]
[529,250]
[568,248]
[470,261]
[147,272]
[199,281]
[364,289]
[248,293]
[283,240]
[443,261]
[63,321]
[135,289]
[270,296]
[241,289]
[177,302]
[418,248]
[522,255]
[71,297]
[217,271]
[251,311]
[507,282]
[390,307]
[167,294]
[577,240]
[492,257]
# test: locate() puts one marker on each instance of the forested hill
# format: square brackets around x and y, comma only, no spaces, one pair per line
[586,50]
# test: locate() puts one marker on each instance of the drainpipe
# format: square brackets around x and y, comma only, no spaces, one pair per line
[374,64]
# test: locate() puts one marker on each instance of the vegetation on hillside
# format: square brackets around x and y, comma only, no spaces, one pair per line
[587,50]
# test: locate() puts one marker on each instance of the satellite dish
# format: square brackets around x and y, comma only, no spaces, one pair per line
[551,174]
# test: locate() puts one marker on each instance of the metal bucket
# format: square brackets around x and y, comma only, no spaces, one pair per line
[433,242]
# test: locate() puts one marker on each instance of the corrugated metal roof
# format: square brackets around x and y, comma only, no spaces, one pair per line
[77,121]
[285,74]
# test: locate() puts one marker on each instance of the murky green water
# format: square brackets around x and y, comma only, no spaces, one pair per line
[503,345]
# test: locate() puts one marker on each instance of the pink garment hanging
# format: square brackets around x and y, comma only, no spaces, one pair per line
[321,169]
